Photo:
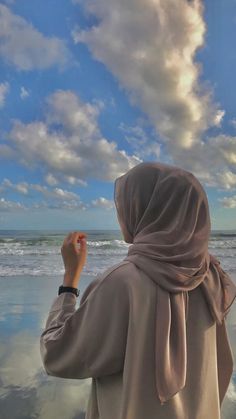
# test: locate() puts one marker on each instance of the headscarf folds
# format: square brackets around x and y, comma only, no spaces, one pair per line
[163,211]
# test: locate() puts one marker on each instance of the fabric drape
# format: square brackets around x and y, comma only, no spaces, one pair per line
[163,212]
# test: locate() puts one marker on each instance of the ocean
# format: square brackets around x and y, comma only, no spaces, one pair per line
[31,270]
[37,253]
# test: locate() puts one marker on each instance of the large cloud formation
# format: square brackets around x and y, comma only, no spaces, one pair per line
[150,47]
[24,47]
[68,142]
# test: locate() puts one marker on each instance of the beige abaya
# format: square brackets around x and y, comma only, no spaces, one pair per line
[151,330]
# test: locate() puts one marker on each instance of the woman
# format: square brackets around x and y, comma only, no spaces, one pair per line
[150,330]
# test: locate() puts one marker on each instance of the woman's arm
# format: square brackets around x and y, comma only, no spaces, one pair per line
[89,341]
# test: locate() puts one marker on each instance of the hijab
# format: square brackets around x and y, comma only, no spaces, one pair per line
[163,212]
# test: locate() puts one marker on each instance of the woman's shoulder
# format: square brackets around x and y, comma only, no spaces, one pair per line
[116,269]
[113,279]
[115,275]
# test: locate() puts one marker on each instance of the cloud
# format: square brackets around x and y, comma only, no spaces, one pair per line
[212,161]
[58,198]
[150,46]
[10,205]
[142,143]
[73,181]
[57,193]
[228,202]
[71,205]
[4,89]
[44,396]
[24,92]
[68,143]
[68,205]
[102,202]
[51,179]
[21,187]
[24,47]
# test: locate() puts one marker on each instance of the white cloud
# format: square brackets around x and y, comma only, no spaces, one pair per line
[24,47]
[25,187]
[57,193]
[228,202]
[51,179]
[24,92]
[6,205]
[150,46]
[102,203]
[10,205]
[72,180]
[212,161]
[219,117]
[68,205]
[66,108]
[68,143]
[50,396]
[58,198]
[21,187]
[4,89]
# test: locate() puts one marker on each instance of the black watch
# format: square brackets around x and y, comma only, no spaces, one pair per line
[70,289]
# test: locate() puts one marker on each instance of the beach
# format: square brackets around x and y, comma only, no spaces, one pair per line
[31,270]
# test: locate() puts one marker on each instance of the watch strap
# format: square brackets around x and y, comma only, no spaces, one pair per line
[62,289]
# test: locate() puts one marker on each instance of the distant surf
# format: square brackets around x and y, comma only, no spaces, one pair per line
[36,252]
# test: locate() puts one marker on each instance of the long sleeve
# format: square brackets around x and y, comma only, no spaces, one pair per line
[89,341]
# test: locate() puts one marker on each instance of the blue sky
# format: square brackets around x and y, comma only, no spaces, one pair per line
[89,89]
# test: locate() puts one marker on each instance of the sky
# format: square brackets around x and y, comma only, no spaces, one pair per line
[90,88]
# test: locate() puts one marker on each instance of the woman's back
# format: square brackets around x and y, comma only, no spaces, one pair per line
[131,393]
[151,332]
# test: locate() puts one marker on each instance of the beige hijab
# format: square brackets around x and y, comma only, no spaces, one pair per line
[163,211]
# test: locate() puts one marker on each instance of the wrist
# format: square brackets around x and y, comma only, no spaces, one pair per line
[70,280]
